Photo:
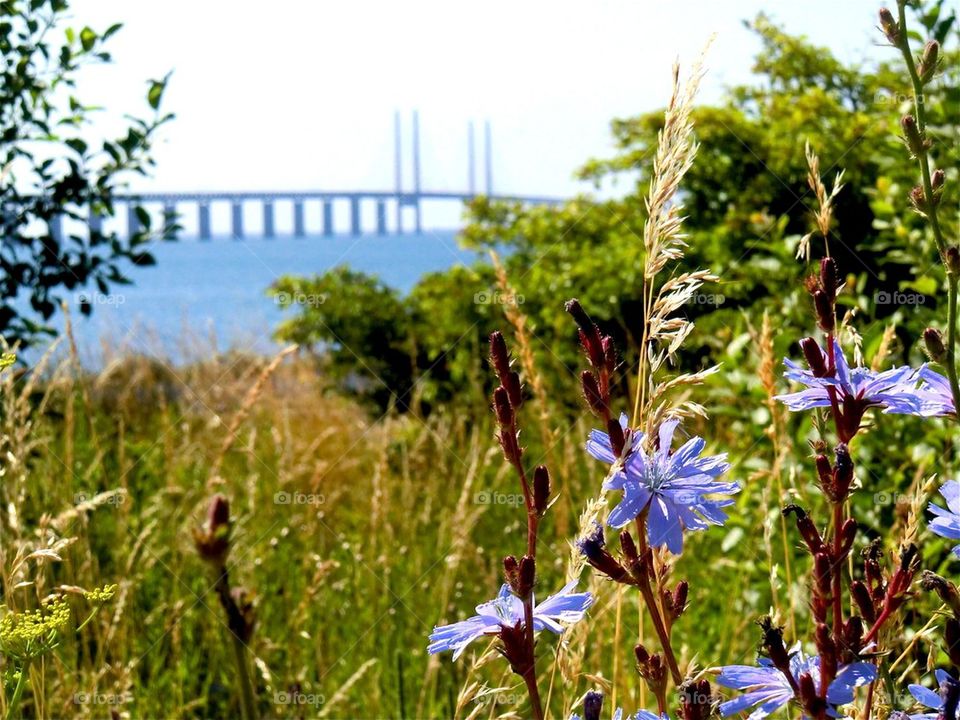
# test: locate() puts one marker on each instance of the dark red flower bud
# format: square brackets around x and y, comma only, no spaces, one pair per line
[814,356]
[499,355]
[213,539]
[589,333]
[617,439]
[823,304]
[848,533]
[828,277]
[918,199]
[678,601]
[511,571]
[811,702]
[502,407]
[822,573]
[610,350]
[936,181]
[591,393]
[526,576]
[808,530]
[861,596]
[541,489]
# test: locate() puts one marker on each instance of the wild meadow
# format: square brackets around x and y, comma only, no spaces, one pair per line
[688,453]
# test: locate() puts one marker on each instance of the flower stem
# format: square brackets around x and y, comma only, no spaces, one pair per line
[247,703]
[13,707]
[930,211]
[646,591]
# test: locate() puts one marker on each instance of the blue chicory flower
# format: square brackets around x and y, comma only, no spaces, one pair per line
[506,610]
[936,701]
[768,689]
[947,521]
[893,390]
[935,394]
[673,487]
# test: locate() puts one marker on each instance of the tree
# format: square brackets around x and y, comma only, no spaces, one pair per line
[52,172]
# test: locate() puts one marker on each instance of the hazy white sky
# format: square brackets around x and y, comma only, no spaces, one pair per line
[293,94]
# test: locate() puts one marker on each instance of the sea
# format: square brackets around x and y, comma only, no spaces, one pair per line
[211,295]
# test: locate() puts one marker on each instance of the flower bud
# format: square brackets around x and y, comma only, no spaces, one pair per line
[814,356]
[679,599]
[541,489]
[933,340]
[592,705]
[591,393]
[589,333]
[593,548]
[824,308]
[808,530]
[843,473]
[617,439]
[609,354]
[772,644]
[861,596]
[848,533]
[912,136]
[937,179]
[499,356]
[945,590]
[918,200]
[852,640]
[928,61]
[526,575]
[241,615]
[812,703]
[828,276]
[953,260]
[696,702]
[213,539]
[889,26]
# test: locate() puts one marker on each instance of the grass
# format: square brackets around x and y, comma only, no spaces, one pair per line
[356,533]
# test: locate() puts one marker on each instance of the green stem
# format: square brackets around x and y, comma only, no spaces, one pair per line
[931,208]
[12,708]
[247,703]
[951,360]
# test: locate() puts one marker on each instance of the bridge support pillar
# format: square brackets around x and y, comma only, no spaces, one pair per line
[56,228]
[354,216]
[237,220]
[298,224]
[169,215]
[419,227]
[96,223]
[268,230]
[327,217]
[381,217]
[204,221]
[133,222]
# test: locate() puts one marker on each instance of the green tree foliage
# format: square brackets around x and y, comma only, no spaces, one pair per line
[747,203]
[53,171]
[398,351]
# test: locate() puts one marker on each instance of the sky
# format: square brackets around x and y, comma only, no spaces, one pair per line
[297,94]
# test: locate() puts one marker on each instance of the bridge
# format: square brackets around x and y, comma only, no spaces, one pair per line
[396,200]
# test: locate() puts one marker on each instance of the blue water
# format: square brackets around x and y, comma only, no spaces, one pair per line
[213,293]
